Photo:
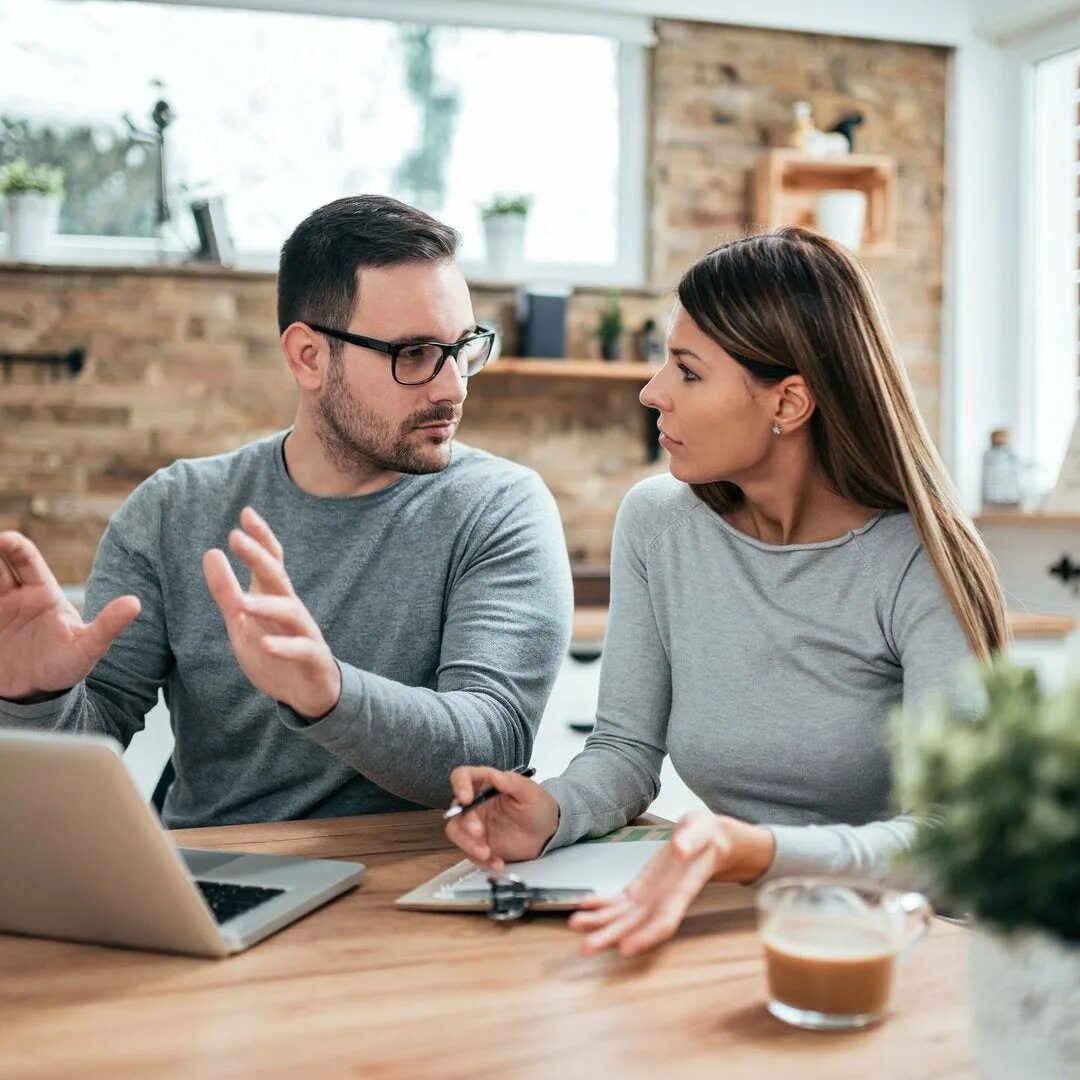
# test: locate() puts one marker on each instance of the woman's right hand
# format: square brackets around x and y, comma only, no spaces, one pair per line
[512,827]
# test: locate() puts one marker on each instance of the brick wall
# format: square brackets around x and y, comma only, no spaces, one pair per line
[186,362]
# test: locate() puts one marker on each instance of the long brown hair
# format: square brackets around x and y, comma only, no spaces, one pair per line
[791,301]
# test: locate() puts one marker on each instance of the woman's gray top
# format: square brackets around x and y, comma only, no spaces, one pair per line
[768,673]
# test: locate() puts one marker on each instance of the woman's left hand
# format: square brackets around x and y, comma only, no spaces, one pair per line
[703,847]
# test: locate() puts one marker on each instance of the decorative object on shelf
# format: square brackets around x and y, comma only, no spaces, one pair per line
[1065,496]
[841,214]
[1001,486]
[504,233]
[998,798]
[542,320]
[215,243]
[32,197]
[807,139]
[649,344]
[789,185]
[610,328]
[846,126]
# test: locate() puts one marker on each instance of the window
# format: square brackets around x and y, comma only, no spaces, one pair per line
[279,112]
[1054,216]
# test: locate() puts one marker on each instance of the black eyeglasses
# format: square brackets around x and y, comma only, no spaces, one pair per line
[413,363]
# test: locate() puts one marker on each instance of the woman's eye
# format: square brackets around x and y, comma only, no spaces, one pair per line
[687,374]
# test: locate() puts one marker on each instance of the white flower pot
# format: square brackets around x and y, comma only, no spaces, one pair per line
[842,215]
[1025,1001]
[504,235]
[32,220]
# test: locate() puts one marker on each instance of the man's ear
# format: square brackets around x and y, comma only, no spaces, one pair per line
[795,403]
[307,354]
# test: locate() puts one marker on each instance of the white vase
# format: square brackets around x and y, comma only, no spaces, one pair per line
[32,220]
[1025,1002]
[504,235]
[841,214]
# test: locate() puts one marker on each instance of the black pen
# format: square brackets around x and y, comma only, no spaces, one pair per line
[486,793]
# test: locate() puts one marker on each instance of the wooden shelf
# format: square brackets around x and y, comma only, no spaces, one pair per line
[618,370]
[1038,624]
[1015,517]
[789,182]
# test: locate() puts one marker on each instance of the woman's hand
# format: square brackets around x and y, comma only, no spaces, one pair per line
[703,847]
[513,826]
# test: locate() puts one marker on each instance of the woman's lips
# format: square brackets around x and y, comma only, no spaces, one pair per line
[667,442]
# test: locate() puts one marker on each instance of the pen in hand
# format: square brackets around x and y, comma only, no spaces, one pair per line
[484,794]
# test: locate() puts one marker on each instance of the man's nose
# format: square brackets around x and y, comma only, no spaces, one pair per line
[449,385]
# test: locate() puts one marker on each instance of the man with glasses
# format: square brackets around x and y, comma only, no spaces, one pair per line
[407,602]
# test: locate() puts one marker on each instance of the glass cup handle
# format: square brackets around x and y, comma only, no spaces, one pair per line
[919,915]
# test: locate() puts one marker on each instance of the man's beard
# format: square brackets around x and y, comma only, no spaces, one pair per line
[354,435]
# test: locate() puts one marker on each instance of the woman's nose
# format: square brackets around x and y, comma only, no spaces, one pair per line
[652,395]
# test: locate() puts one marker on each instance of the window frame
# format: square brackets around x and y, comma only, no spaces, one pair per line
[1030,374]
[633,36]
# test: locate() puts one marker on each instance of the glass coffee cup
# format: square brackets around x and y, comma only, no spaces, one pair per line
[831,946]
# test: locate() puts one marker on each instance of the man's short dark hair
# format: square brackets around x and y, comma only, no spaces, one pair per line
[317,279]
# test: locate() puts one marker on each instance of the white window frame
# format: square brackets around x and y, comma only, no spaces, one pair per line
[1030,374]
[634,35]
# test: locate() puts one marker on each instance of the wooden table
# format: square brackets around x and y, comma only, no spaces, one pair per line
[361,989]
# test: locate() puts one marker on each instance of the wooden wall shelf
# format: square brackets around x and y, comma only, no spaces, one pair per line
[619,370]
[789,183]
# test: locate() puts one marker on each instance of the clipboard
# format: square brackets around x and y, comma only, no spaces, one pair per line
[465,887]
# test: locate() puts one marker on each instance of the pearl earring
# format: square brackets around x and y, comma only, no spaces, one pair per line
[777,429]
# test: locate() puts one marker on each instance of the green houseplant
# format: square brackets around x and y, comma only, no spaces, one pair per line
[32,197]
[504,217]
[610,327]
[997,793]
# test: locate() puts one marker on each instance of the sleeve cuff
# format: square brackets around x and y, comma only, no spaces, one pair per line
[570,829]
[801,849]
[15,712]
[338,724]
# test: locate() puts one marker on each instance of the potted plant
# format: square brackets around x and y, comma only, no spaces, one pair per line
[610,328]
[32,194]
[998,795]
[504,219]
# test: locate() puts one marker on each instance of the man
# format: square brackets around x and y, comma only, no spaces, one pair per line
[408,605]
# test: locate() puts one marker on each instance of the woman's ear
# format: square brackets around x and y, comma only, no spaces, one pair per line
[795,403]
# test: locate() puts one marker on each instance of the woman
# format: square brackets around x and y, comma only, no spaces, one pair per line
[806,568]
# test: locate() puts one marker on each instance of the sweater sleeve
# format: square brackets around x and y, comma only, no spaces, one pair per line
[617,775]
[505,632]
[923,632]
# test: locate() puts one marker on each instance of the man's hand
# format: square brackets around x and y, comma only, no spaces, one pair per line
[703,847]
[45,646]
[275,639]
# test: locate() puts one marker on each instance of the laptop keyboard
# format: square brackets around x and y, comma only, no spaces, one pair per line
[228,901]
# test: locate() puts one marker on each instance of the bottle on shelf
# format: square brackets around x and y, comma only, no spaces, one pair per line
[1001,486]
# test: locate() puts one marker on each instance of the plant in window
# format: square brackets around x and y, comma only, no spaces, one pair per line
[504,232]
[610,328]
[32,194]
[998,797]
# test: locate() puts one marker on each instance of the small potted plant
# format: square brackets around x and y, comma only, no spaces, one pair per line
[998,795]
[504,219]
[610,328]
[32,195]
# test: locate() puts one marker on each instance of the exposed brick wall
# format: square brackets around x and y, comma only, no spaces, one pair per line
[187,362]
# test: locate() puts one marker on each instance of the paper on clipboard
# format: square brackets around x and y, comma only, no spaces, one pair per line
[604,866]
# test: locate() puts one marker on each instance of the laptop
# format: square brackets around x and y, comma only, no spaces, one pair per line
[84,858]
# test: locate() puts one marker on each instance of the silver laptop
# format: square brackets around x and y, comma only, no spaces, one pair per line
[83,858]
